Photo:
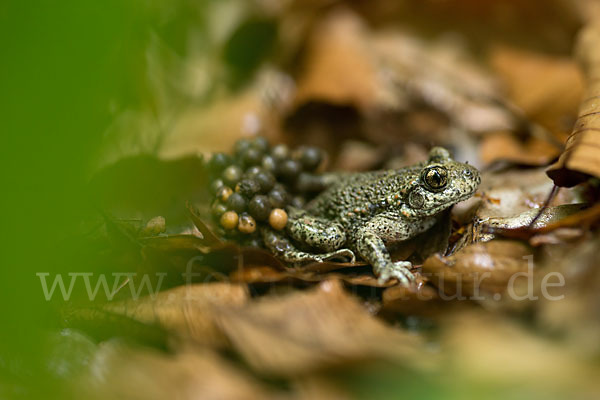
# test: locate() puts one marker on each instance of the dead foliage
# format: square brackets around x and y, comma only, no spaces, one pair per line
[375,85]
[580,156]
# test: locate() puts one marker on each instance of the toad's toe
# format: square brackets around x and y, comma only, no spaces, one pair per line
[399,270]
[341,253]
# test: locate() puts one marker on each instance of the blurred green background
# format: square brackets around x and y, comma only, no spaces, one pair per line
[67,70]
[62,66]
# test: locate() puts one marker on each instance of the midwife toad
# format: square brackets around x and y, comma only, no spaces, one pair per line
[364,212]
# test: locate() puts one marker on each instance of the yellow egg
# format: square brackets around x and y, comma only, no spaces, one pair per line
[278,219]
[229,220]
[246,224]
[224,193]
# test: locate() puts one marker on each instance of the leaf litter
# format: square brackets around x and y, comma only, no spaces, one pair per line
[248,326]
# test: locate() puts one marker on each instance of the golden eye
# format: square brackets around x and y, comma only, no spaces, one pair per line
[435,178]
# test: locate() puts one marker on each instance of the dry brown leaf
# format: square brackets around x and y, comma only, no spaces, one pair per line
[547,88]
[581,156]
[265,275]
[258,274]
[187,311]
[338,67]
[418,299]
[504,146]
[121,372]
[328,266]
[478,269]
[210,239]
[304,331]
[252,256]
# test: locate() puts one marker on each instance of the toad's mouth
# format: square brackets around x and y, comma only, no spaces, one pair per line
[464,197]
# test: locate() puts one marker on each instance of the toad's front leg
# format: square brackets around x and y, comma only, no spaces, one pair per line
[371,247]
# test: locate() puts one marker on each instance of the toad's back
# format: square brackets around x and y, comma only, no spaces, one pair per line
[360,196]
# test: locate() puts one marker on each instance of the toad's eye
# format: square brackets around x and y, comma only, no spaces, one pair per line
[435,178]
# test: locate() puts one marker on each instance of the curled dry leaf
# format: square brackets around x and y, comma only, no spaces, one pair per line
[209,238]
[478,269]
[121,372]
[581,156]
[519,226]
[186,311]
[305,331]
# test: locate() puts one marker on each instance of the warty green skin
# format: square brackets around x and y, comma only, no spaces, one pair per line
[363,213]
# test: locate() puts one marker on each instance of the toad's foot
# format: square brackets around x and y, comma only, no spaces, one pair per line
[399,270]
[341,253]
[297,257]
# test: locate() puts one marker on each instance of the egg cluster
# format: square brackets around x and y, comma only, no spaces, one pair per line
[255,184]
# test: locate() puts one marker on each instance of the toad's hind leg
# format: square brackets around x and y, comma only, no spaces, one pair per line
[279,245]
[318,233]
